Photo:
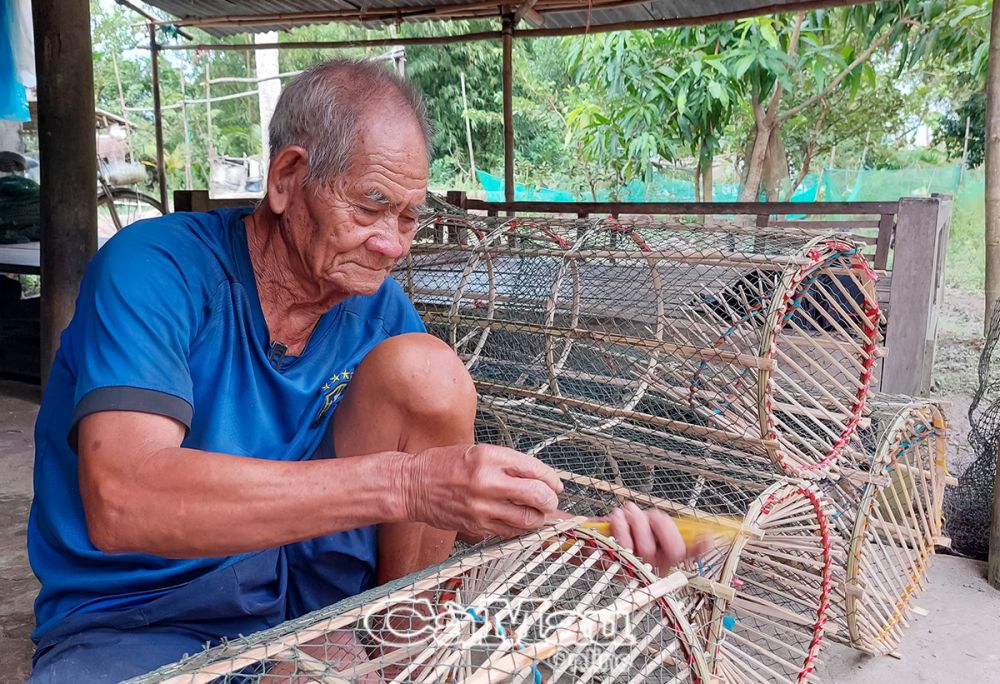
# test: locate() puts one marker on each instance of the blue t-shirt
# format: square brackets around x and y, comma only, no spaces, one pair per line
[168,322]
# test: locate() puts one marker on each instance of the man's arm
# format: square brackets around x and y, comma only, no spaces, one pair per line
[143,493]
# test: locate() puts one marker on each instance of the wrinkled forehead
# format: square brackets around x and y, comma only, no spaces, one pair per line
[391,132]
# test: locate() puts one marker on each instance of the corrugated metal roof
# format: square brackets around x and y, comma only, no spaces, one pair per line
[236,17]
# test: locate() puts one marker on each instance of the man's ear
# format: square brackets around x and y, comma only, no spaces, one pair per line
[286,175]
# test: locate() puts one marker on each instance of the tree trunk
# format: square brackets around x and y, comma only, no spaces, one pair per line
[775,165]
[755,164]
[993,170]
[697,182]
[706,180]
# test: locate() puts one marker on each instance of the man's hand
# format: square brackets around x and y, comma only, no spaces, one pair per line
[480,490]
[653,536]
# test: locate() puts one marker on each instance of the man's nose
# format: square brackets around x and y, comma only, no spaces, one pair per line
[387,241]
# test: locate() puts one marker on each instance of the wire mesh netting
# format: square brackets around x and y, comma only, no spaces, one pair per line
[561,604]
[759,338]
[968,507]
[887,520]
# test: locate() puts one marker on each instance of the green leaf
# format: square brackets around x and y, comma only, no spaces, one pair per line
[868,73]
[715,89]
[744,64]
[768,33]
[716,63]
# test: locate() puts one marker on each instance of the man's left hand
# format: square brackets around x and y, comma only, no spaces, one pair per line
[653,536]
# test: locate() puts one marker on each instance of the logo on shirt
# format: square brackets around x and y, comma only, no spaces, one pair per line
[331,392]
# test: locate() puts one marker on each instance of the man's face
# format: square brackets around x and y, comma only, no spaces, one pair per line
[350,231]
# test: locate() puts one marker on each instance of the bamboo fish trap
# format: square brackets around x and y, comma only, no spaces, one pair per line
[759,599]
[563,604]
[758,338]
[888,516]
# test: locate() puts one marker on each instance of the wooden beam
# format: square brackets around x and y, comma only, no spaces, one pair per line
[67,145]
[993,172]
[340,44]
[508,108]
[913,298]
[161,167]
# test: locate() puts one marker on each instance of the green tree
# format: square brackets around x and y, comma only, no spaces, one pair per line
[952,130]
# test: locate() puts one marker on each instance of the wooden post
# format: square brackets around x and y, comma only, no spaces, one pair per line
[915,294]
[993,567]
[508,108]
[208,115]
[965,151]
[67,145]
[161,167]
[188,177]
[993,171]
[468,131]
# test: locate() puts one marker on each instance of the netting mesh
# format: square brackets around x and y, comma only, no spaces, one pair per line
[968,507]
[562,604]
[760,338]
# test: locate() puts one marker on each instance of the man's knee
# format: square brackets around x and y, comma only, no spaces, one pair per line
[423,376]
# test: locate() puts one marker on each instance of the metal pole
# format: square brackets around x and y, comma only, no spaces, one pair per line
[508,108]
[161,167]
[67,145]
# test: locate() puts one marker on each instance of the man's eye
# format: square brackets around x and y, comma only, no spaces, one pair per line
[371,211]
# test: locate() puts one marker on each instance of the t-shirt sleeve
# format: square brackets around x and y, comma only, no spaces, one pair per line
[131,336]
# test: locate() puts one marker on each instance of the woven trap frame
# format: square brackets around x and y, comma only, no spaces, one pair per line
[559,605]
[758,600]
[888,518]
[759,338]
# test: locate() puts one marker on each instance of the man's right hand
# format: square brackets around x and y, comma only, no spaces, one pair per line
[479,490]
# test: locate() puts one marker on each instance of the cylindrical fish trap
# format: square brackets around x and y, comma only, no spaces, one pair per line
[760,338]
[561,604]
[758,599]
[888,517]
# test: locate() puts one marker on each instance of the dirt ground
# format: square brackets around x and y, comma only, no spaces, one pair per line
[956,640]
[18,406]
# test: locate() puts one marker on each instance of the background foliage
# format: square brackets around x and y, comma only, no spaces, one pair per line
[849,87]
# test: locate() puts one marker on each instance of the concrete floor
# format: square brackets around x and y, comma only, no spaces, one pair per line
[957,641]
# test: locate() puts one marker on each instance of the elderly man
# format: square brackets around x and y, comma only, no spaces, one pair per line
[245,420]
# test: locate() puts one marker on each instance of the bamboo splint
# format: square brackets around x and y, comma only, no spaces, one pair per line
[767,339]
[888,519]
[550,606]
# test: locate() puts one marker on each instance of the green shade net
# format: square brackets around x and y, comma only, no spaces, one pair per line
[829,185]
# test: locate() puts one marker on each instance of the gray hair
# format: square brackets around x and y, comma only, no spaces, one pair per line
[322,108]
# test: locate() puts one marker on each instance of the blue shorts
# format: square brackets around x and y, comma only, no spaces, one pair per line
[258,591]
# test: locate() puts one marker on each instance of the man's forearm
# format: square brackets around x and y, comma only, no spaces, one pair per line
[183,503]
